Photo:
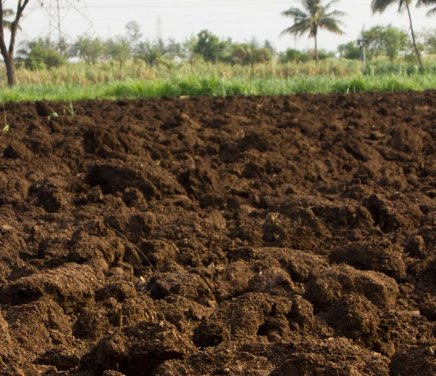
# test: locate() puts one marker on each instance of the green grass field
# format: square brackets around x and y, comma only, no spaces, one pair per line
[107,81]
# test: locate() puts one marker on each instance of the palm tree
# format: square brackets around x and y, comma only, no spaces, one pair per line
[381,5]
[313,17]
[428,2]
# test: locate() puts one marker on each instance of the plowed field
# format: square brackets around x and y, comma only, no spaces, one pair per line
[220,236]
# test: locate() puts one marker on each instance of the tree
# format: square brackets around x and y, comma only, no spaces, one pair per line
[118,49]
[89,49]
[429,2]
[385,40]
[152,53]
[373,41]
[38,53]
[381,5]
[292,55]
[187,48]
[394,41]
[133,32]
[430,41]
[7,51]
[175,50]
[313,17]
[248,53]
[209,46]
[350,51]
[270,47]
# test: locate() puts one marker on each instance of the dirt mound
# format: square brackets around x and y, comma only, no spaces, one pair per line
[211,236]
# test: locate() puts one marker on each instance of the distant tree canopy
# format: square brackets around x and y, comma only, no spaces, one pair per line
[213,49]
[152,53]
[430,41]
[133,32]
[379,41]
[118,50]
[39,53]
[382,5]
[88,48]
[385,40]
[209,46]
[350,51]
[248,53]
[292,55]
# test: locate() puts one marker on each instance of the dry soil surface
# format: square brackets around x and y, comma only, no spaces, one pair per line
[209,236]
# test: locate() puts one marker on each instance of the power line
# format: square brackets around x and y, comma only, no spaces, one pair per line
[213,14]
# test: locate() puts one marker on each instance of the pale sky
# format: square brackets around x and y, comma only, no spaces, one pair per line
[239,19]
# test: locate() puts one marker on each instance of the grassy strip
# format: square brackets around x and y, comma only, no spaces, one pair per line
[85,74]
[215,86]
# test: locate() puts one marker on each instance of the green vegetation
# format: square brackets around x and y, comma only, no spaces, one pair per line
[137,80]
[381,5]
[386,41]
[313,17]
[40,54]
[384,58]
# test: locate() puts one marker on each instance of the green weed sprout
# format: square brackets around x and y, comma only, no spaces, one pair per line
[70,109]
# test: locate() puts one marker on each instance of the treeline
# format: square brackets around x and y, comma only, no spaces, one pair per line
[380,41]
[43,53]
[387,41]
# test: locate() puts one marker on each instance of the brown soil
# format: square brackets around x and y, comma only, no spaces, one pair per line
[209,236]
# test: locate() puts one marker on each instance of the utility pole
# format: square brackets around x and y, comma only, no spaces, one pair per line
[361,42]
[158,29]
[54,18]
[59,28]
[56,13]
[49,24]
